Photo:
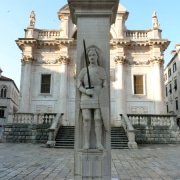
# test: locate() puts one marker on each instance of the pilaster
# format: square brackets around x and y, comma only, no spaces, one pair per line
[158,84]
[24,105]
[120,88]
[64,61]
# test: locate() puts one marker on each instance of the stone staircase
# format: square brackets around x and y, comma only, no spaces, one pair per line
[119,138]
[65,138]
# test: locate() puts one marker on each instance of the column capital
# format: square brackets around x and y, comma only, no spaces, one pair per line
[63,60]
[27,59]
[157,60]
[120,59]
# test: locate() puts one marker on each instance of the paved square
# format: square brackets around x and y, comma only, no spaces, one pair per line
[35,161]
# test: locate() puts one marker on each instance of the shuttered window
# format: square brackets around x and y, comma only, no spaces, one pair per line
[138,84]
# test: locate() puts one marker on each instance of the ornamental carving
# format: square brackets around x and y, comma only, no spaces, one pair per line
[63,59]
[48,61]
[44,108]
[59,60]
[139,109]
[61,17]
[139,62]
[157,60]
[120,59]
[26,59]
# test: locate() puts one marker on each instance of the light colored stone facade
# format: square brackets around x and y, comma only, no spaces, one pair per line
[53,52]
[172,81]
[9,95]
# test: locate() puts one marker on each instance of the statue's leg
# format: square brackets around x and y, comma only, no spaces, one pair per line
[86,127]
[98,128]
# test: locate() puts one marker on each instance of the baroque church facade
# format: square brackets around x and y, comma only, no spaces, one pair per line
[48,74]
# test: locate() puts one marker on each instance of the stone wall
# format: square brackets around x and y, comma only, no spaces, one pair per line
[26,133]
[156,134]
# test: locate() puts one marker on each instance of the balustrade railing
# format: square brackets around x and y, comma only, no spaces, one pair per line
[129,131]
[132,34]
[152,120]
[53,130]
[48,34]
[30,118]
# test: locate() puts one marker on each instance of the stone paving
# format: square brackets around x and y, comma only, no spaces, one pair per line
[35,161]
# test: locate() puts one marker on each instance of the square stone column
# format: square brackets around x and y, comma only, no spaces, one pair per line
[93,19]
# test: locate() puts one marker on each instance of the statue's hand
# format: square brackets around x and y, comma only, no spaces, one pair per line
[89,91]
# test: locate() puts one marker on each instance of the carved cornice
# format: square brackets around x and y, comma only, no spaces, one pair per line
[22,42]
[120,59]
[27,59]
[157,60]
[65,41]
[119,42]
[63,60]
[162,43]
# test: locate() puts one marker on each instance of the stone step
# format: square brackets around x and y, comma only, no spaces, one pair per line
[65,138]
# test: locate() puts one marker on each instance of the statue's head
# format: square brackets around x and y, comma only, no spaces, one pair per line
[93,56]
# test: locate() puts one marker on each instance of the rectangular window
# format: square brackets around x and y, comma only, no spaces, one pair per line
[1,113]
[167,108]
[45,83]
[174,67]
[170,88]
[175,84]
[138,84]
[176,104]
[169,73]
[166,91]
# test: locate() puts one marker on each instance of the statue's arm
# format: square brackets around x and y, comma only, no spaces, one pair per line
[80,86]
[80,81]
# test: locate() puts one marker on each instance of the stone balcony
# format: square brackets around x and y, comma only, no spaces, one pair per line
[56,34]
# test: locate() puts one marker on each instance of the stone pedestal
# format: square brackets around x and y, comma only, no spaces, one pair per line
[92,165]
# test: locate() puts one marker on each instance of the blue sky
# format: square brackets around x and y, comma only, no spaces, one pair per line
[15,18]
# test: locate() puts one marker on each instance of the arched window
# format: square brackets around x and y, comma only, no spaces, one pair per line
[3,92]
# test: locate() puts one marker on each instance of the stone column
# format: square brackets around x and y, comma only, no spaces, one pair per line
[93,20]
[158,85]
[120,89]
[24,104]
[64,60]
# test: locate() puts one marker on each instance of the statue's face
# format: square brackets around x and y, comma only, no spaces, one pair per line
[92,56]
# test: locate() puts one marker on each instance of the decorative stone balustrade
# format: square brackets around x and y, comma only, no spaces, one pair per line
[47,34]
[30,118]
[54,129]
[152,120]
[130,34]
[130,131]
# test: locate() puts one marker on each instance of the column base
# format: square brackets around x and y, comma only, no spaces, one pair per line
[92,165]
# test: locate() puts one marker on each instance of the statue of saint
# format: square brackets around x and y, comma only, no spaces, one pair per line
[155,23]
[32,19]
[90,104]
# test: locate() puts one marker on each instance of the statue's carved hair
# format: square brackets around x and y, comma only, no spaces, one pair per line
[94,49]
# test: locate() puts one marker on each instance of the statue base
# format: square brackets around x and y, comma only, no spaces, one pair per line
[92,164]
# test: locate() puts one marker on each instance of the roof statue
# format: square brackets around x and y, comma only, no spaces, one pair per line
[32,19]
[155,24]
